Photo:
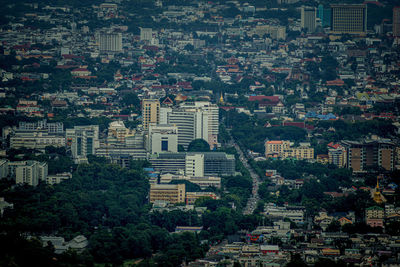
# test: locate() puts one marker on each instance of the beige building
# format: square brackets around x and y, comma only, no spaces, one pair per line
[117,132]
[275,148]
[283,149]
[150,112]
[173,193]
[301,152]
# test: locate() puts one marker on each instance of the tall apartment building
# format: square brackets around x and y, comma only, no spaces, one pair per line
[349,18]
[396,21]
[337,156]
[172,193]
[308,18]
[150,112]
[28,172]
[162,138]
[110,42]
[369,154]
[83,141]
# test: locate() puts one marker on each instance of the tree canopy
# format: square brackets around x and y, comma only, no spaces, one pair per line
[198,145]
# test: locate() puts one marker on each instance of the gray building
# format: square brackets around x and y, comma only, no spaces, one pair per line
[83,141]
[214,163]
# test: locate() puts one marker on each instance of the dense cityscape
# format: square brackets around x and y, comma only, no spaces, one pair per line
[200,133]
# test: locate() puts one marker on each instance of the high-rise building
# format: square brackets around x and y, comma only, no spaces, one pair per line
[83,141]
[172,193]
[308,18]
[197,120]
[150,112]
[369,154]
[324,14]
[110,42]
[29,172]
[349,18]
[337,156]
[396,21]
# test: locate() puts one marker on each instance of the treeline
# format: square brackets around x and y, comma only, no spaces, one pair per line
[252,133]
[357,130]
[109,206]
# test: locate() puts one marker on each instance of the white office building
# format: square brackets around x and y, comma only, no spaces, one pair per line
[162,138]
[36,139]
[196,120]
[83,141]
[194,165]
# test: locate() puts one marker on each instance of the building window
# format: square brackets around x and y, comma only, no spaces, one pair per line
[164,145]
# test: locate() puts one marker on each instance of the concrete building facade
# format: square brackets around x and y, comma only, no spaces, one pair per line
[150,112]
[83,141]
[172,193]
[308,18]
[349,18]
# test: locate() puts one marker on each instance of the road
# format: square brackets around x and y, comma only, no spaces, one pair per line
[253,199]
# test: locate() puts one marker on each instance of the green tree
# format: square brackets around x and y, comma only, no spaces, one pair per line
[198,145]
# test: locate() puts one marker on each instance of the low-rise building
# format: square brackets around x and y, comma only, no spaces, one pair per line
[172,193]
[283,149]
[374,216]
[58,178]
